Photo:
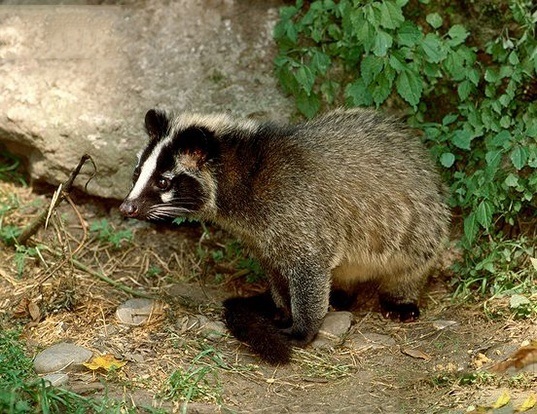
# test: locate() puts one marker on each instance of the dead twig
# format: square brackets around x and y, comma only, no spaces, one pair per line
[81,266]
[63,191]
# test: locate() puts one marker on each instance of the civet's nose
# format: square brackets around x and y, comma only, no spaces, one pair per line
[129,209]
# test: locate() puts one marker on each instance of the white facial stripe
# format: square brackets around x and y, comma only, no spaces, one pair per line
[147,170]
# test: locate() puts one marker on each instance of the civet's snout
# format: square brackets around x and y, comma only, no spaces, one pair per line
[129,208]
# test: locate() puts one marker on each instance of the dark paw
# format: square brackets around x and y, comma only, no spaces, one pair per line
[299,338]
[404,312]
[341,299]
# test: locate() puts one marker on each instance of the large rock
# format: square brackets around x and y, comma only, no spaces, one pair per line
[79,79]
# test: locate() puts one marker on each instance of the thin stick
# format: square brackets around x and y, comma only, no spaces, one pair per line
[115,283]
[66,186]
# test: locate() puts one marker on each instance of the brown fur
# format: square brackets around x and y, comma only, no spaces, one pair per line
[346,197]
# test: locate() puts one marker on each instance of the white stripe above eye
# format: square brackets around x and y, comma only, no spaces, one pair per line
[147,170]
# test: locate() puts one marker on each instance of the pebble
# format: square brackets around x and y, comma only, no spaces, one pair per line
[57,379]
[214,330]
[135,312]
[335,325]
[62,356]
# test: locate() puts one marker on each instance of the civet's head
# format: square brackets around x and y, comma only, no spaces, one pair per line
[173,177]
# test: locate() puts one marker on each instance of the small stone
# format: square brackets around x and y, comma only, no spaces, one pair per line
[135,312]
[440,324]
[57,380]
[214,330]
[336,323]
[334,326]
[62,356]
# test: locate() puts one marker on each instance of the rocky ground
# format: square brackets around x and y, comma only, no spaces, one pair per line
[147,300]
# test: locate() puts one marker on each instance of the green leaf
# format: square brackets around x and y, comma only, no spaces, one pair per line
[447,159]
[366,34]
[383,87]
[397,63]
[320,61]
[464,89]
[409,34]
[391,16]
[370,67]
[484,213]
[449,119]
[433,48]
[518,300]
[491,76]
[519,157]
[511,180]
[493,158]
[383,41]
[308,104]
[513,58]
[470,227]
[357,94]
[409,86]
[502,139]
[473,76]
[462,139]
[434,19]
[305,78]
[458,34]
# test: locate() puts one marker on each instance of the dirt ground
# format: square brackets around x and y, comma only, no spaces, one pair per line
[440,364]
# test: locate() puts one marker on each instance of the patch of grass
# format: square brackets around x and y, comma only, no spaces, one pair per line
[483,378]
[197,382]
[21,391]
[106,232]
[322,366]
[498,266]
[9,234]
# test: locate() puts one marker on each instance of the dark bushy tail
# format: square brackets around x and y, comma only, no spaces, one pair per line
[251,320]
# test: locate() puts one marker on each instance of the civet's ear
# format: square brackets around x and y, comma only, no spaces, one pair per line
[156,123]
[197,144]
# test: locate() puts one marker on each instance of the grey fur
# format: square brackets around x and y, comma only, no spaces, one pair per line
[349,196]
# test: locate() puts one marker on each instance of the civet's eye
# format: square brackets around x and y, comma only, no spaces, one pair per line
[163,183]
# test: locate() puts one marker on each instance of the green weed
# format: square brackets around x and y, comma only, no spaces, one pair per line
[233,253]
[106,232]
[22,254]
[21,391]
[197,382]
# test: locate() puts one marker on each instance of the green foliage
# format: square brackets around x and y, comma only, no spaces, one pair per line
[21,391]
[9,234]
[22,254]
[234,254]
[471,89]
[106,233]
[198,382]
[498,266]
